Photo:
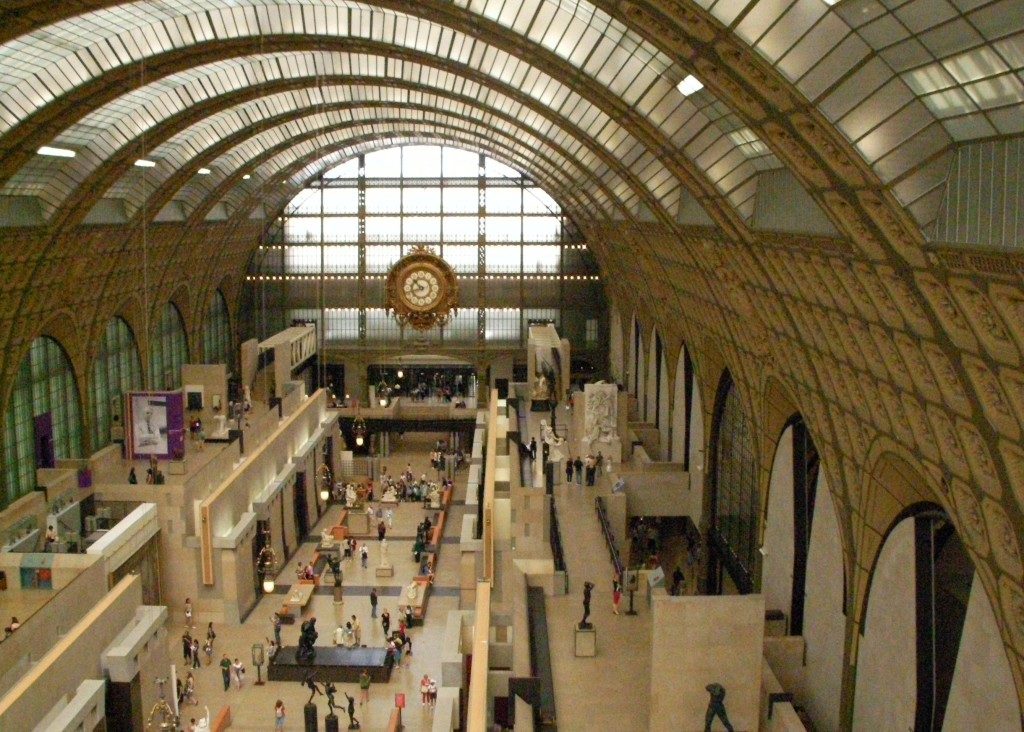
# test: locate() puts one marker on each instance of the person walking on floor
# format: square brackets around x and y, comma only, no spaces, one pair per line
[568,471]
[186,647]
[225,671]
[279,715]
[385,621]
[364,687]
[188,613]
[190,689]
[210,635]
[239,670]
[373,602]
[577,466]
[208,650]
[533,449]
[382,530]
[195,653]
[364,555]
[591,468]
[424,690]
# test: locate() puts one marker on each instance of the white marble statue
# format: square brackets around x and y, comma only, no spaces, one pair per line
[554,443]
[412,590]
[350,495]
[541,389]
[390,496]
[384,561]
[434,496]
[599,424]
[326,539]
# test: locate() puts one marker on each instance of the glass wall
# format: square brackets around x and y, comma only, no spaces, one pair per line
[44,385]
[168,351]
[217,331]
[116,370]
[736,504]
[515,254]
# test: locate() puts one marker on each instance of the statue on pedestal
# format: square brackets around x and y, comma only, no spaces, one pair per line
[384,561]
[335,564]
[434,496]
[307,642]
[390,496]
[554,443]
[353,723]
[412,590]
[599,423]
[588,588]
[310,683]
[350,496]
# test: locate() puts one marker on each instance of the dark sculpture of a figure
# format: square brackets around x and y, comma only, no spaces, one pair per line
[335,564]
[588,588]
[310,682]
[716,707]
[353,723]
[307,640]
[330,689]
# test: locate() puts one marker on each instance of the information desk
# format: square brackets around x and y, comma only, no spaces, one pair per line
[331,663]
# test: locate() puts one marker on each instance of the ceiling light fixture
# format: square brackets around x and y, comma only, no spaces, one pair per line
[204,171]
[56,152]
[246,177]
[143,163]
[690,85]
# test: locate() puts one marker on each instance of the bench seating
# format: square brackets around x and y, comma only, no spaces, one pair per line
[395,722]
[222,721]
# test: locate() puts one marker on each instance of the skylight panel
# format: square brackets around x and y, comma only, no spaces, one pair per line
[690,85]
[56,152]
[748,143]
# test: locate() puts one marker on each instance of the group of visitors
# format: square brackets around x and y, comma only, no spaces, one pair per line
[439,385]
[428,691]
[581,468]
[407,488]
[444,456]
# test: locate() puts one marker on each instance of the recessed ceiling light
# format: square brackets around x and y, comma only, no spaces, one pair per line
[56,152]
[141,163]
[246,177]
[690,85]
[203,171]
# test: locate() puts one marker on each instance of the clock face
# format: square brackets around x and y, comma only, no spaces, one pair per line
[421,288]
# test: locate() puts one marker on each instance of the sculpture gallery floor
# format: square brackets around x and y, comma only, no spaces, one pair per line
[252,708]
[610,691]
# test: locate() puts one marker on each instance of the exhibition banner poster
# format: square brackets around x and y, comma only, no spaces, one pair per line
[156,421]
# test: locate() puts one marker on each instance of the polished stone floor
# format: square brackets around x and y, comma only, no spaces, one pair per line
[252,707]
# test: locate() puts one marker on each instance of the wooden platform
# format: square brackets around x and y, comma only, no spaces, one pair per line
[332,663]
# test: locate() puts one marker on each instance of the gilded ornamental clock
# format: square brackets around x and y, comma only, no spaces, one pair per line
[422,290]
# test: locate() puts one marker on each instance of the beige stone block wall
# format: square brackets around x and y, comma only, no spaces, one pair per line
[700,640]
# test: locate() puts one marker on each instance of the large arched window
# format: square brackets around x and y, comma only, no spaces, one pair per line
[169,350]
[735,503]
[217,330]
[43,421]
[116,370]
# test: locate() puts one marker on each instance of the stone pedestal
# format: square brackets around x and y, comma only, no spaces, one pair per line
[585,642]
[386,570]
[337,594]
[309,717]
[331,723]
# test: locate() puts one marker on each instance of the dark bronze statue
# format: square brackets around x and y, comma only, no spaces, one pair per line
[330,689]
[588,588]
[353,723]
[310,682]
[335,564]
[307,642]
[716,707]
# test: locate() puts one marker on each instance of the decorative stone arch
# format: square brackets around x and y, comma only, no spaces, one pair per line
[182,298]
[94,353]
